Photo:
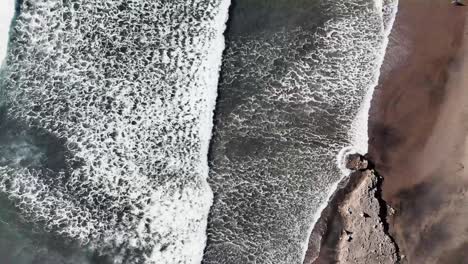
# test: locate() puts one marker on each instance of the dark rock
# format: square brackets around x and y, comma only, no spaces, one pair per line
[356,162]
[363,236]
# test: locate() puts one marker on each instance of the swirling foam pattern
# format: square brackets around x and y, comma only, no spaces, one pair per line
[287,100]
[129,86]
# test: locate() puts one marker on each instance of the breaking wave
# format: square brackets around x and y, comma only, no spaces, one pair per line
[124,92]
[358,131]
[7,11]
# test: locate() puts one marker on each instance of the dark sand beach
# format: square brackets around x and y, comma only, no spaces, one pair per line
[418,127]
[422,53]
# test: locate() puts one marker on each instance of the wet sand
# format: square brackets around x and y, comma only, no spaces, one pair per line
[418,129]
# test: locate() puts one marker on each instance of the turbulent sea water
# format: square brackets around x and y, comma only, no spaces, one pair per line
[107,112]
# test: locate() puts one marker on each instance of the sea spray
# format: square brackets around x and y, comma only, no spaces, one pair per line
[287,100]
[127,90]
[7,11]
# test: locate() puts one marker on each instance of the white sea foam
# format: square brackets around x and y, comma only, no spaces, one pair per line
[130,86]
[7,11]
[359,129]
[341,159]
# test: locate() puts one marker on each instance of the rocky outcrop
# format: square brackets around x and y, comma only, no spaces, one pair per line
[356,162]
[364,238]
[353,228]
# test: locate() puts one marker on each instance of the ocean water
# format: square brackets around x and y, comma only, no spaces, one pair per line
[106,118]
[291,97]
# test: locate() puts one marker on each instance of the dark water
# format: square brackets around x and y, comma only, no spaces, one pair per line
[23,242]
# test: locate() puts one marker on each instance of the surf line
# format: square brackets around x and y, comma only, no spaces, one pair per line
[7,13]
[358,132]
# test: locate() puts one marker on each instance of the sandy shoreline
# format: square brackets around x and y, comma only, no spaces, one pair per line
[418,128]
[425,176]
[417,136]
[422,51]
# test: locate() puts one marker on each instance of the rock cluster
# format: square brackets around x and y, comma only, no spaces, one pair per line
[356,162]
[364,238]
[353,228]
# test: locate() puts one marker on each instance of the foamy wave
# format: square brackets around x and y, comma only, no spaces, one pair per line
[130,87]
[7,11]
[341,159]
[359,130]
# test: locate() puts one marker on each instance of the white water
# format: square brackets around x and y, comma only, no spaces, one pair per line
[359,129]
[131,88]
[7,11]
